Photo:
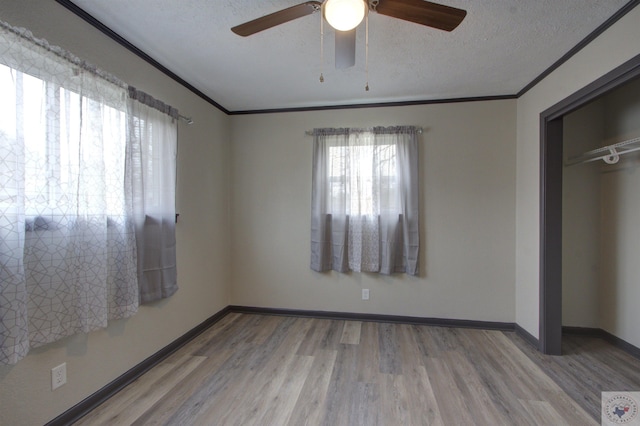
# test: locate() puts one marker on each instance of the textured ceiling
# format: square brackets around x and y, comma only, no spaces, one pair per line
[500,47]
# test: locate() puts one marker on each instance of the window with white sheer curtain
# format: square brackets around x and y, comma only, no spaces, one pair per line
[365,200]
[71,195]
[152,142]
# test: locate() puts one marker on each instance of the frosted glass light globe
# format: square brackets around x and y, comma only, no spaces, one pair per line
[344,15]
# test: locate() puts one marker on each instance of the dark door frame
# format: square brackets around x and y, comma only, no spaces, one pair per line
[551,162]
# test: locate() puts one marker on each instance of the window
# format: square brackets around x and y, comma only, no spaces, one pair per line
[60,134]
[365,200]
[152,141]
[362,176]
[87,196]
[68,250]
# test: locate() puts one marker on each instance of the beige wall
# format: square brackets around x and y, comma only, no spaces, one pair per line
[615,46]
[467,158]
[94,359]
[479,260]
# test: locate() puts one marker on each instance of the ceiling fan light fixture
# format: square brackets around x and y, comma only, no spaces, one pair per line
[344,15]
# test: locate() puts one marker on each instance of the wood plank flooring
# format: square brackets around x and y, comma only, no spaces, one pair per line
[271,370]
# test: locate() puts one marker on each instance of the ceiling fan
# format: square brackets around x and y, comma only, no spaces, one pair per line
[345,15]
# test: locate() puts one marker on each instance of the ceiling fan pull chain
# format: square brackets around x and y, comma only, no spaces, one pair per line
[366,49]
[321,43]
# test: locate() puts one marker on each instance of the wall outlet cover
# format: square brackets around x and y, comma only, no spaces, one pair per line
[58,376]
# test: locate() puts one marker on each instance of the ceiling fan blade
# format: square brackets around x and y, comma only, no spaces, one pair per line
[423,12]
[345,49]
[277,18]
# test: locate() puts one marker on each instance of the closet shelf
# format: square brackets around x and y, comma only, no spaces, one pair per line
[610,154]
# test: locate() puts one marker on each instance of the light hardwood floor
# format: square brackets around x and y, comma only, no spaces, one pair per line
[274,370]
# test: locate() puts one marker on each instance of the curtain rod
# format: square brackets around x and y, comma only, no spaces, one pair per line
[310,132]
[188,120]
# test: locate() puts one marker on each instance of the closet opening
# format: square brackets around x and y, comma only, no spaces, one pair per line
[560,130]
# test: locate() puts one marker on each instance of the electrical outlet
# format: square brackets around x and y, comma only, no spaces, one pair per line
[58,376]
[365,294]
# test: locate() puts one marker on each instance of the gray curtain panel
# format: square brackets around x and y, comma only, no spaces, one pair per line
[157,272]
[365,209]
[152,144]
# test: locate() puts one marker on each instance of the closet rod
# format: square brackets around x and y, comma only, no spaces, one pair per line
[610,154]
